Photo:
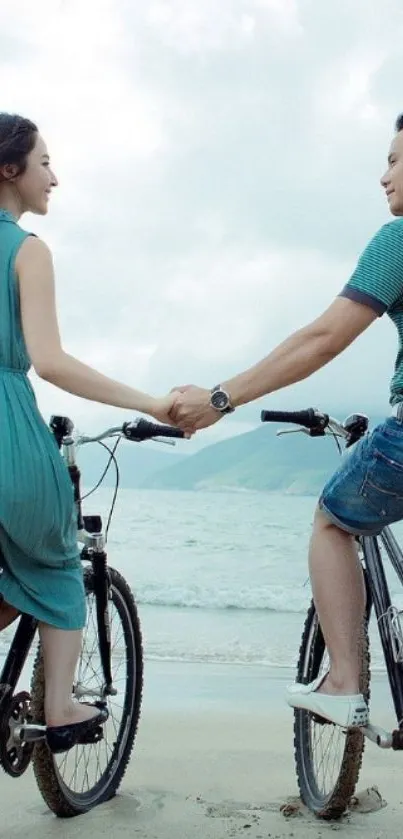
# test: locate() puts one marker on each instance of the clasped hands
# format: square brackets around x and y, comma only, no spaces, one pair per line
[192,409]
[189,408]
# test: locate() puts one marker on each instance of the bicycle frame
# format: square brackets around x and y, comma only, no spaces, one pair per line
[27,627]
[380,597]
[89,533]
[317,424]
[16,657]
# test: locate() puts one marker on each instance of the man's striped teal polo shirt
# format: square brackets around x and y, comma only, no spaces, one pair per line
[378,282]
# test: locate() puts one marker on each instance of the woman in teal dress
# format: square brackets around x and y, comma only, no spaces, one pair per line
[40,568]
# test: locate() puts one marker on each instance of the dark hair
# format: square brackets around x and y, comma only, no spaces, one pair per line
[17,139]
[399,123]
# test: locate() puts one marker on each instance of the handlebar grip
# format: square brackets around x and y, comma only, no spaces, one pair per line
[144,430]
[308,418]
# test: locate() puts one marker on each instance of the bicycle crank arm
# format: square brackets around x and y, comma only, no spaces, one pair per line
[379,736]
[28,733]
[384,739]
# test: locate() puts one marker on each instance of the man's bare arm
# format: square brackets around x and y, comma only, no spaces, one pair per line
[295,359]
[303,352]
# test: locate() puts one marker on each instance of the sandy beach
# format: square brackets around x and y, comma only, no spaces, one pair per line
[214,759]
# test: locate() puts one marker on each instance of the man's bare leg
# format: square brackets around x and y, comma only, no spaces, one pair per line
[339,595]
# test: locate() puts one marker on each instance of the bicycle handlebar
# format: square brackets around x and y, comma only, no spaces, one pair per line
[309,418]
[315,423]
[142,429]
[136,430]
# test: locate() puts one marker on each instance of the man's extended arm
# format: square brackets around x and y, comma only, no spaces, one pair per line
[304,352]
[300,355]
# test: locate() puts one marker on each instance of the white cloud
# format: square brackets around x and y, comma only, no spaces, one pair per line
[344,92]
[190,26]
[76,88]
[218,167]
[193,27]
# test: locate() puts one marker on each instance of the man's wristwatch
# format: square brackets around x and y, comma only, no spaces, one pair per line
[220,400]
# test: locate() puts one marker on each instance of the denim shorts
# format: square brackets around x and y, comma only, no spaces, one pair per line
[366,492]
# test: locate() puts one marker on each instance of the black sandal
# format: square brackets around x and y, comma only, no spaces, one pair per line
[61,738]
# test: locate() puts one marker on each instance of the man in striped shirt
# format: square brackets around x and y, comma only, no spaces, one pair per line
[366,493]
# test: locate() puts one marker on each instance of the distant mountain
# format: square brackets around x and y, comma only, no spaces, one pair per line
[137,462]
[257,460]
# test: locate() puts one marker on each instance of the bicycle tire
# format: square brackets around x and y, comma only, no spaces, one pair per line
[60,798]
[333,803]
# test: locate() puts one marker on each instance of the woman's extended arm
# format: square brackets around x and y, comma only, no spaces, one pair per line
[34,267]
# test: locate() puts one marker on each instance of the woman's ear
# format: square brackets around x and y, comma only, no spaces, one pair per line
[8,172]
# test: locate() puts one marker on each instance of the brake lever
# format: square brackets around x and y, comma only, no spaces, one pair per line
[292,431]
[163,440]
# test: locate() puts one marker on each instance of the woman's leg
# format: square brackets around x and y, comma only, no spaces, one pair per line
[8,614]
[61,649]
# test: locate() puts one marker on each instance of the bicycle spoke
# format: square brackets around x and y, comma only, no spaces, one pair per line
[328,740]
[83,766]
[88,774]
[328,758]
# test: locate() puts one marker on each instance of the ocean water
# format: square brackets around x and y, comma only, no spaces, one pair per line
[218,577]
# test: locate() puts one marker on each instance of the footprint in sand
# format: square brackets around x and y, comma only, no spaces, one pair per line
[367,801]
[249,812]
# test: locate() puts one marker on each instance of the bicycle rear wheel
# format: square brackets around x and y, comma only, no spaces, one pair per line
[328,759]
[76,781]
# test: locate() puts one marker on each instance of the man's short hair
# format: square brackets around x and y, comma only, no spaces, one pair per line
[399,123]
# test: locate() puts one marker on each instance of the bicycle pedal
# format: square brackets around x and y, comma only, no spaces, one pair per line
[93,736]
[320,720]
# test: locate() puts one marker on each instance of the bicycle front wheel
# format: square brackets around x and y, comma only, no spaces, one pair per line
[328,759]
[76,781]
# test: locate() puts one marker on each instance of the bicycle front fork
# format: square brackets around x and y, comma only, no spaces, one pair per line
[95,552]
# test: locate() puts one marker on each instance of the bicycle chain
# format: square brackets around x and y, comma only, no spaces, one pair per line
[15,757]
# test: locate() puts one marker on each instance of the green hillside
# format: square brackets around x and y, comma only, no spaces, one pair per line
[137,462]
[257,460]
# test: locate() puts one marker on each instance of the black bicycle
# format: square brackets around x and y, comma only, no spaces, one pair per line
[328,759]
[110,668]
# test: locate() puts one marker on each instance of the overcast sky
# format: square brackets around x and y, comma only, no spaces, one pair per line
[219,165]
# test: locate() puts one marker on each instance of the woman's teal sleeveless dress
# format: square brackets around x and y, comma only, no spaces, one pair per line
[40,568]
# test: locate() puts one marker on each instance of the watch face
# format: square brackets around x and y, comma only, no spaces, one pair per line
[219,400]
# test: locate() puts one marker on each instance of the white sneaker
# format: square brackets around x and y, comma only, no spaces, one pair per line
[347,711]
